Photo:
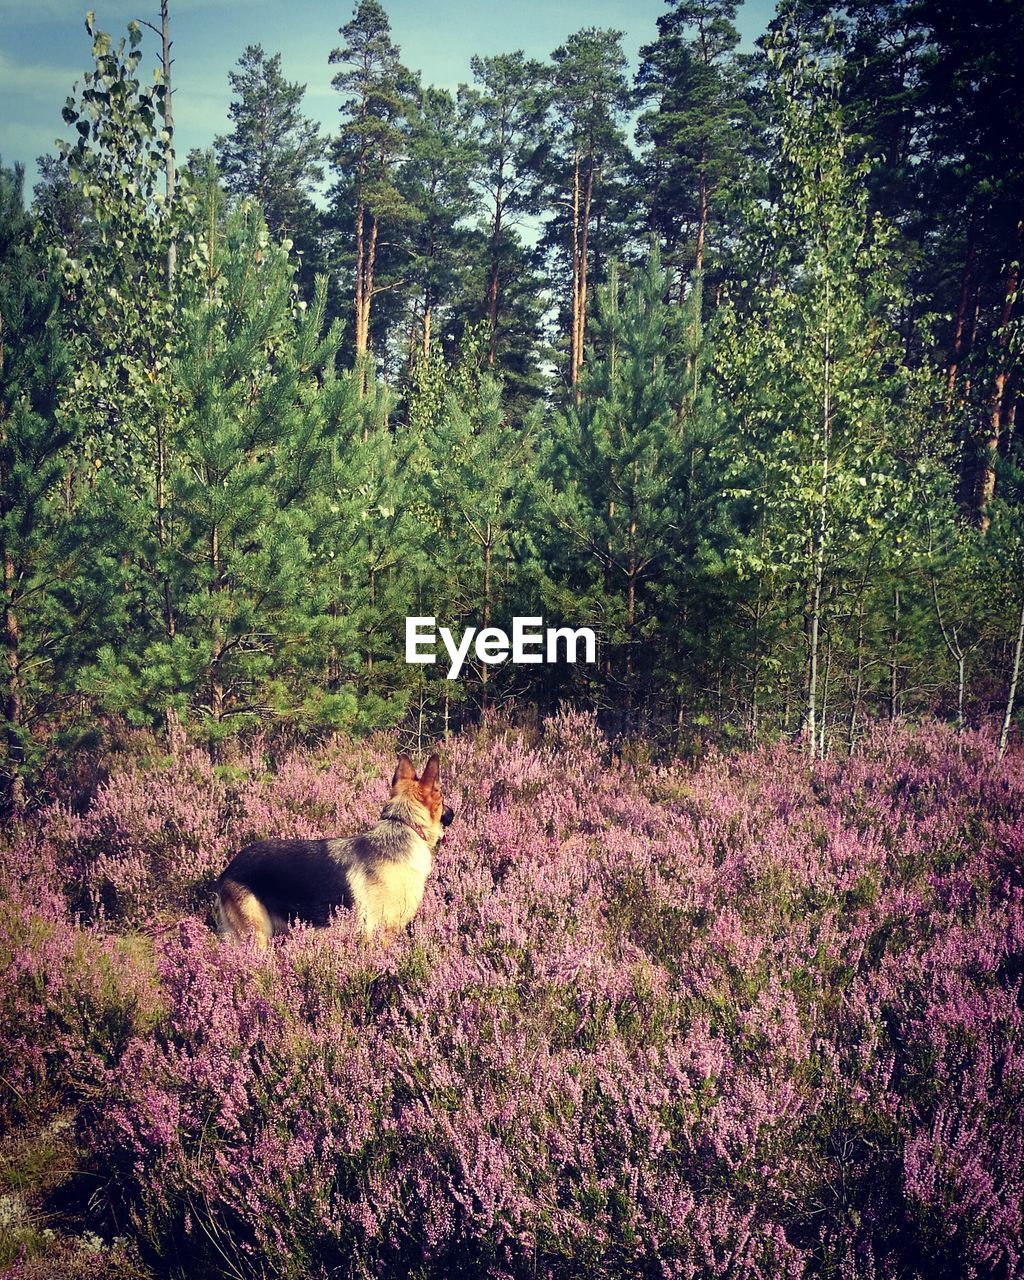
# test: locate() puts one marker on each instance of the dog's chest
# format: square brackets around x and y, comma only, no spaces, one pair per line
[392,891]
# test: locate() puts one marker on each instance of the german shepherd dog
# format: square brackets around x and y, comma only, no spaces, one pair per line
[379,874]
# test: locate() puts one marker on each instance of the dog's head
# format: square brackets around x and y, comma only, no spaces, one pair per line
[424,790]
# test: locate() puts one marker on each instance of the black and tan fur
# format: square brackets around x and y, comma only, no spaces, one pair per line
[380,874]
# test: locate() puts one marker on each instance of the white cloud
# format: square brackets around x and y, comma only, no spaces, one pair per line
[35,78]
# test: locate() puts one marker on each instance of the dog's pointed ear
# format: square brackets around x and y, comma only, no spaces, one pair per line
[405,770]
[431,775]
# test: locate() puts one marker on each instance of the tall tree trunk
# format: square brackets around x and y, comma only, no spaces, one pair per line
[574,372]
[1011,696]
[15,783]
[426,324]
[492,315]
[972,337]
[990,444]
[368,288]
[894,649]
[360,342]
[492,284]
[702,220]
[584,243]
[966,280]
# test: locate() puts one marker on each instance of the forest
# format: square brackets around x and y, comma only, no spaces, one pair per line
[718,355]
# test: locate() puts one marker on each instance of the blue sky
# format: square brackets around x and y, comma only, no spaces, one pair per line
[44,48]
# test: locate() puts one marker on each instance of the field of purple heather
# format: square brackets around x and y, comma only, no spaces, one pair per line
[740,1020]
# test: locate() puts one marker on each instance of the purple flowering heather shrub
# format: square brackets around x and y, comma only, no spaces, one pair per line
[749,1020]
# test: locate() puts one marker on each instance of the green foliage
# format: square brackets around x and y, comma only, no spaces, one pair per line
[780,476]
[509,101]
[370,517]
[618,466]
[273,152]
[697,127]
[585,169]
[482,487]
[378,93]
[256,395]
[33,364]
[829,424]
[437,181]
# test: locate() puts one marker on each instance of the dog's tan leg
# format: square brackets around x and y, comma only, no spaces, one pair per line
[241,913]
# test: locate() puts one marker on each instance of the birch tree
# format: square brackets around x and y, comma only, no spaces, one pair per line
[810,360]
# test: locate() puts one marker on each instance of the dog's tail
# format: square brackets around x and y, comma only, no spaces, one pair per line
[239,913]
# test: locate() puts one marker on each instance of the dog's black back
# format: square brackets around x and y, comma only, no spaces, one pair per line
[294,879]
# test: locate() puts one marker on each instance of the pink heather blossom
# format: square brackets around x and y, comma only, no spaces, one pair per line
[743,1019]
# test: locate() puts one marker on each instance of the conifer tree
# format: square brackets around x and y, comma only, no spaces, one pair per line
[249,452]
[590,97]
[60,209]
[369,150]
[32,441]
[617,465]
[972,97]
[61,590]
[510,101]
[436,180]
[273,152]
[481,484]
[370,523]
[696,129]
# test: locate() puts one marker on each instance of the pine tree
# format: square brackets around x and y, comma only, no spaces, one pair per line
[696,130]
[617,466]
[971,91]
[273,152]
[481,484]
[369,150]
[437,181]
[255,389]
[33,438]
[368,543]
[590,97]
[510,104]
[60,208]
